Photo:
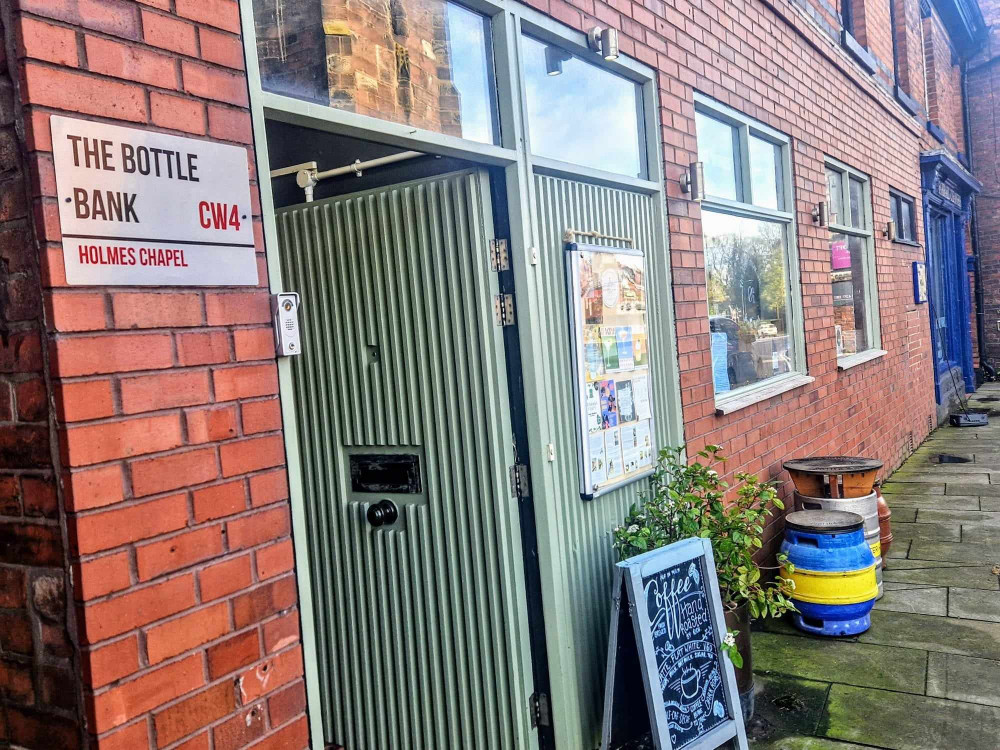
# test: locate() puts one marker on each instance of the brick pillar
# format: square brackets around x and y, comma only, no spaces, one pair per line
[167,424]
[39,665]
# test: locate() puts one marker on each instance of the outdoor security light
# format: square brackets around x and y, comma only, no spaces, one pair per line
[819,214]
[604,41]
[890,229]
[693,181]
[554,58]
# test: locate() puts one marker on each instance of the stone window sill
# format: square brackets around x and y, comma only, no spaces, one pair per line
[734,402]
[853,360]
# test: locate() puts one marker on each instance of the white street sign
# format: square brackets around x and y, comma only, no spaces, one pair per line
[139,208]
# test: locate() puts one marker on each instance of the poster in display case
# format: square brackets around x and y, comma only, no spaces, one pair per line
[611,365]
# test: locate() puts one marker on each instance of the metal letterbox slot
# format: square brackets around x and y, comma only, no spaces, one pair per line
[385,472]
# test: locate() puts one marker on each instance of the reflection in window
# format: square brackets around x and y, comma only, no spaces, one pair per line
[835,196]
[848,278]
[425,63]
[901,209]
[746,248]
[580,113]
[747,299]
[719,161]
[765,173]
[857,212]
[851,250]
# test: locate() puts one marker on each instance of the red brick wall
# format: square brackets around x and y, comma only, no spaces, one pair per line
[169,428]
[944,94]
[39,665]
[873,29]
[909,48]
[984,125]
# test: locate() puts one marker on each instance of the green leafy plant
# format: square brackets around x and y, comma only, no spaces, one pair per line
[686,500]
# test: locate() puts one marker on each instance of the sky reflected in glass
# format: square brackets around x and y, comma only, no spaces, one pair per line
[717,153]
[584,115]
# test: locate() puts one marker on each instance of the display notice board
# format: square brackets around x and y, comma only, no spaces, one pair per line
[667,675]
[611,363]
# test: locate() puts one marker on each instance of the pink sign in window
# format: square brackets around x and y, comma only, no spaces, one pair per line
[841,255]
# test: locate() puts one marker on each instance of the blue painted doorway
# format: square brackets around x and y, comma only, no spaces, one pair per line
[947,195]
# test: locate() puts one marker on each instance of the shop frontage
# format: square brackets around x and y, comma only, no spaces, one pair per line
[436,378]
[419,290]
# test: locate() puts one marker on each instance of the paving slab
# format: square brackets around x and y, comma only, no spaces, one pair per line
[967,488]
[917,500]
[899,549]
[967,576]
[989,503]
[899,721]
[977,554]
[953,515]
[944,532]
[902,514]
[974,534]
[785,707]
[974,604]
[963,678]
[920,488]
[946,634]
[800,742]
[866,665]
[920,600]
[930,476]
[893,586]
[900,564]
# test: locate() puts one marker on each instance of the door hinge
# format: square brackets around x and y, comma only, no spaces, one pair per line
[519,481]
[499,258]
[503,309]
[540,716]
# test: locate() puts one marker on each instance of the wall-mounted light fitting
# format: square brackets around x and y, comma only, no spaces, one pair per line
[554,59]
[819,214]
[693,181]
[890,230]
[604,41]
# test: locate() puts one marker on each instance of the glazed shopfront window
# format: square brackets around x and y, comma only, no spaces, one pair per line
[852,260]
[747,242]
[425,63]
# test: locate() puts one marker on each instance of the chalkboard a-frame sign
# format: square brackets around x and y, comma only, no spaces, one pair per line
[666,673]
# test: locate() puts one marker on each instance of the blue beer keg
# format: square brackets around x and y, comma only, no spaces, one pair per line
[834,571]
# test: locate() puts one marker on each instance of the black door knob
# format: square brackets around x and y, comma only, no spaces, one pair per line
[383,512]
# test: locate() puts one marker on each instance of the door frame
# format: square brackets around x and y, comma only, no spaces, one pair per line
[511,157]
[948,189]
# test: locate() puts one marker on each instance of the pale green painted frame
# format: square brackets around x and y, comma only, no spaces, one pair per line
[746,126]
[874,322]
[508,20]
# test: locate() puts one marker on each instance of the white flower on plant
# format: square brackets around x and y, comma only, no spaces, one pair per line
[633,529]
[729,640]
[713,473]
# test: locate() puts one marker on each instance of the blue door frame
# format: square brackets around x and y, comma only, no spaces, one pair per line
[947,198]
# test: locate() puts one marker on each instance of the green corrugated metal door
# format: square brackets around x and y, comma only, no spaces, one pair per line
[420,623]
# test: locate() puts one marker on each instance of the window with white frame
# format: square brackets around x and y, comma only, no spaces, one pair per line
[852,260]
[751,264]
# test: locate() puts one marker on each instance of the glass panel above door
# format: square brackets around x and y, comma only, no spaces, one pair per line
[425,63]
[582,113]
